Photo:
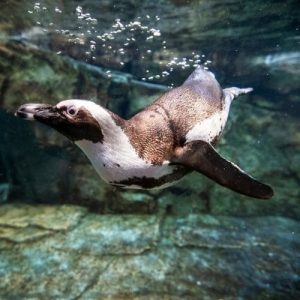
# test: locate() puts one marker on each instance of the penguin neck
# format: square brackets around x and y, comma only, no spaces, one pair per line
[115,152]
[111,127]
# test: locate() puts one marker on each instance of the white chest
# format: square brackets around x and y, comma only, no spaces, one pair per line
[119,162]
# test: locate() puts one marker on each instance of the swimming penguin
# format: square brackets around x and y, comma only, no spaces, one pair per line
[168,139]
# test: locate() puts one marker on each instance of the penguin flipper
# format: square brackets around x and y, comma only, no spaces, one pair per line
[202,157]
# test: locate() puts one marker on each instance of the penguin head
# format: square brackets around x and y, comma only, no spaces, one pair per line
[75,119]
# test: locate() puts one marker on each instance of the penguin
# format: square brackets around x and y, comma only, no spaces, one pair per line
[165,141]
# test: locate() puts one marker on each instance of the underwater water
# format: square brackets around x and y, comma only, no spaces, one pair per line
[65,234]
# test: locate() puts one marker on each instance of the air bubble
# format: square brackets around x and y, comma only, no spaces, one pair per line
[58,10]
[36,6]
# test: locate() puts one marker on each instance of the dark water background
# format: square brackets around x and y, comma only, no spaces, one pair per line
[124,54]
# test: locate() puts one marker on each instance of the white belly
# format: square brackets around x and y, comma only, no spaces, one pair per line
[116,172]
[116,163]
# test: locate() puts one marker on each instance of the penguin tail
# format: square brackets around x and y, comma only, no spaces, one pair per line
[233,92]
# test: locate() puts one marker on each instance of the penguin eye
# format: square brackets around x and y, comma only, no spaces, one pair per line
[72,111]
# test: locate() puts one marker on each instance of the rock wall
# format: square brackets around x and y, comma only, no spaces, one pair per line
[64,252]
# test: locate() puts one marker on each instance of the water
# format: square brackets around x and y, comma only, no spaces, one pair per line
[66,234]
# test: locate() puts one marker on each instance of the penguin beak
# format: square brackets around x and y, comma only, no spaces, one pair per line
[41,112]
[46,114]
